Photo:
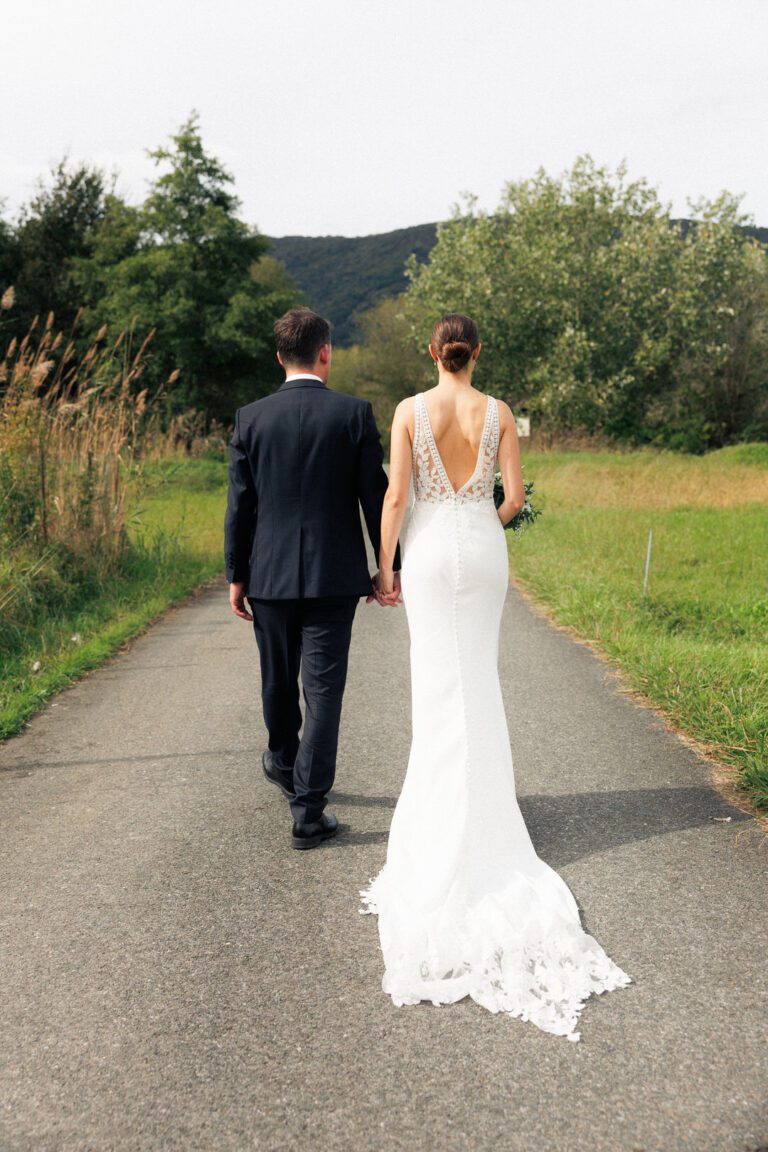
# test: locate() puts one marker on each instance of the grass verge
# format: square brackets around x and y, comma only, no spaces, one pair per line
[176,532]
[695,647]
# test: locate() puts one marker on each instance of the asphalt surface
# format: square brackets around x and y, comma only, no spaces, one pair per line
[174,976]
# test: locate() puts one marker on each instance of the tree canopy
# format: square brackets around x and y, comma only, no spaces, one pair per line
[598,312]
[183,264]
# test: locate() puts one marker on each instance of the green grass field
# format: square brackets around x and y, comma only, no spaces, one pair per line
[176,528]
[697,645]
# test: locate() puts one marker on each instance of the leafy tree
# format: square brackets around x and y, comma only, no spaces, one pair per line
[599,312]
[720,313]
[54,231]
[8,258]
[115,236]
[383,367]
[188,267]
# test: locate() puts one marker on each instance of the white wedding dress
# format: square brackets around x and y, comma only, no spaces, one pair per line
[465,905]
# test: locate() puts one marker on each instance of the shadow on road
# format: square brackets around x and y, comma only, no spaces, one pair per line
[25,766]
[566,828]
[563,828]
[348,838]
[360,801]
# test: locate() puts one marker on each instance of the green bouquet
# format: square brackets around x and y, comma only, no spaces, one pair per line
[527,514]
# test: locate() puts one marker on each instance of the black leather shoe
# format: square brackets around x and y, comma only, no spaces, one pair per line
[278,776]
[313,833]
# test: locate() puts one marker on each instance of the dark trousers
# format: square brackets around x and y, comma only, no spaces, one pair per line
[312,637]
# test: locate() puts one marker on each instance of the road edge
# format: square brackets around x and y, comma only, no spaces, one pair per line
[724,778]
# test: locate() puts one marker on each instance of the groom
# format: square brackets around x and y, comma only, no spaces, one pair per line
[302,463]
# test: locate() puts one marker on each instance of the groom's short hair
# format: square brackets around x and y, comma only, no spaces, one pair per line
[300,334]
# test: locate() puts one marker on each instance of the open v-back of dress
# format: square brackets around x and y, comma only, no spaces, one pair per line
[465,905]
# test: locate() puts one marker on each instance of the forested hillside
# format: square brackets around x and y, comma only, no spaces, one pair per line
[342,276]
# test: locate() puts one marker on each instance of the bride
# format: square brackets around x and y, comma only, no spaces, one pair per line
[465,905]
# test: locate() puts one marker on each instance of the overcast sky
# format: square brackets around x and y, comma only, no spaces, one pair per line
[348,117]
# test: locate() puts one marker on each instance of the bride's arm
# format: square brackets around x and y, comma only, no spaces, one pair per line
[396,499]
[509,466]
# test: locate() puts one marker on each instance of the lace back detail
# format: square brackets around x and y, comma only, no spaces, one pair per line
[430,479]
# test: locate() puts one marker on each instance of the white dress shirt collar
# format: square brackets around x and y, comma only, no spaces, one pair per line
[303,376]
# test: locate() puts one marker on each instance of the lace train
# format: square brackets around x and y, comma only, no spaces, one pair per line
[539,966]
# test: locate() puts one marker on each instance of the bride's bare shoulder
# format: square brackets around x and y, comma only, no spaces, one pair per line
[404,410]
[505,411]
[403,416]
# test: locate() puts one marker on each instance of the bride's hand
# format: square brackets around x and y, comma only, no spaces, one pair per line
[387,587]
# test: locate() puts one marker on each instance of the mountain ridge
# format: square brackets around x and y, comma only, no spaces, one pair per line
[342,276]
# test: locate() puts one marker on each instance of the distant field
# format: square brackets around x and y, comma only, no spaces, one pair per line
[697,647]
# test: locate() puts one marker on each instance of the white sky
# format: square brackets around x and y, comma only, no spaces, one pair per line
[348,117]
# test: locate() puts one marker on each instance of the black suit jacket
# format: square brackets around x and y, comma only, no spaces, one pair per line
[301,463]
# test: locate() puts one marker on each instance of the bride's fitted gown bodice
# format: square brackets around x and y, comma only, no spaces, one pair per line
[465,905]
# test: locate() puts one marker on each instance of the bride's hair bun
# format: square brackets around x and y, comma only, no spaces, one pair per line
[455,354]
[454,337]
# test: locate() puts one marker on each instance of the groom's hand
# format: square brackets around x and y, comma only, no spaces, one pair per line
[374,593]
[237,599]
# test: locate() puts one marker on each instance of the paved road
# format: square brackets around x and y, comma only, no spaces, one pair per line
[175,977]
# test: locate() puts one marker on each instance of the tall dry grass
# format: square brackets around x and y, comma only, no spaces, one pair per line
[77,433]
[70,429]
[95,535]
[183,434]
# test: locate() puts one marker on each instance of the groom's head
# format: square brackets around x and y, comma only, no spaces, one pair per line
[303,342]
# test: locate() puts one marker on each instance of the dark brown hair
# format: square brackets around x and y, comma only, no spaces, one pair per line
[454,337]
[300,334]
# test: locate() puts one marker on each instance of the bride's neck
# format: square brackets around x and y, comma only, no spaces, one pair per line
[455,381]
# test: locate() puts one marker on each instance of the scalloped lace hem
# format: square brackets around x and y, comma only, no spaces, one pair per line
[541,974]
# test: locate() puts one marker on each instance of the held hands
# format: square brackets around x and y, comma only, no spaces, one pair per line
[237,600]
[386,589]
